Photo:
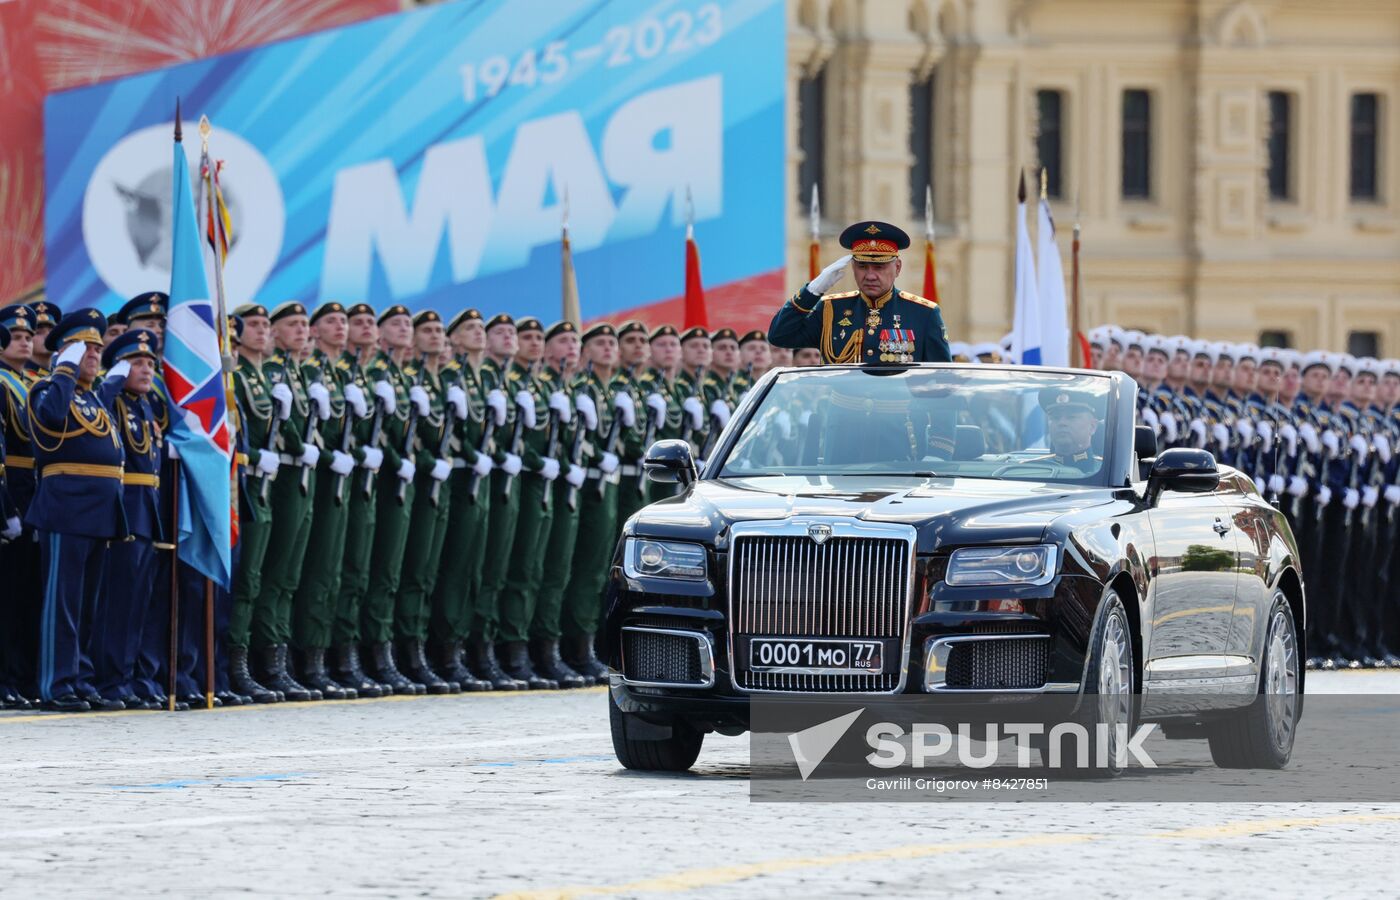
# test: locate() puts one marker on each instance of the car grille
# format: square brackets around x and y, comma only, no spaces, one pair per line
[846,587]
[660,658]
[998,665]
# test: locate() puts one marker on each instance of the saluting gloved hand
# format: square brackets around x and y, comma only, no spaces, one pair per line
[458,398]
[119,371]
[526,401]
[559,402]
[1289,436]
[608,464]
[720,410]
[407,470]
[512,465]
[497,401]
[586,408]
[575,475]
[374,458]
[1169,426]
[829,276]
[1221,435]
[1382,445]
[342,463]
[13,528]
[356,398]
[72,354]
[1245,429]
[1350,498]
[483,465]
[1332,441]
[1392,494]
[321,397]
[283,395]
[549,469]
[1297,486]
[268,463]
[387,400]
[440,470]
[622,402]
[1369,495]
[419,398]
[695,411]
[1276,485]
[1198,431]
[310,455]
[1266,436]
[784,423]
[1359,445]
[1324,496]
[1308,434]
[657,404]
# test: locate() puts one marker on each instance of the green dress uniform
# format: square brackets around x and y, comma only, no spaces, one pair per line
[505,507]
[690,385]
[654,381]
[631,490]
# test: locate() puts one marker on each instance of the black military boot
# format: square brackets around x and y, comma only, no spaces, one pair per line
[518,666]
[448,664]
[315,677]
[242,681]
[551,665]
[346,670]
[580,657]
[274,674]
[383,670]
[481,657]
[416,667]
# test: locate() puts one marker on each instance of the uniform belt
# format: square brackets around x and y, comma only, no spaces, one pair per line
[459,463]
[20,462]
[288,459]
[629,471]
[614,478]
[84,469]
[141,480]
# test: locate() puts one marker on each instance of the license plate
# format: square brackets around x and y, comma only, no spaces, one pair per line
[799,655]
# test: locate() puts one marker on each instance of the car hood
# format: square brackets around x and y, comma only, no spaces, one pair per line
[946,511]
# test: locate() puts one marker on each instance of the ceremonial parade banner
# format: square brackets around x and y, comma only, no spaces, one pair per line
[429,157]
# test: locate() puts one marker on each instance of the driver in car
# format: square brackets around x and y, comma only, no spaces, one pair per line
[1071,423]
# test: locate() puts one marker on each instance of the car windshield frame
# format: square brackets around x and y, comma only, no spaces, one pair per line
[1108,391]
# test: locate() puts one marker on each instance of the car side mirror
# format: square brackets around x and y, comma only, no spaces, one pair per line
[1183,469]
[670,462]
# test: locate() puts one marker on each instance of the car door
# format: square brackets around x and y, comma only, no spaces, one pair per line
[1251,518]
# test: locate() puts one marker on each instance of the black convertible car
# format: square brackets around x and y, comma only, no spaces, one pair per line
[951,528]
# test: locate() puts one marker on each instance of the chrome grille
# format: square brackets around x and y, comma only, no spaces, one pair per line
[998,665]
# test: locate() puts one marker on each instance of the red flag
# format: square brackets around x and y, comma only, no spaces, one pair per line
[930,274]
[814,255]
[694,289]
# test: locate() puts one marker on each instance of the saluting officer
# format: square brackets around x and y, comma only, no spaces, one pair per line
[878,323]
[19,602]
[77,508]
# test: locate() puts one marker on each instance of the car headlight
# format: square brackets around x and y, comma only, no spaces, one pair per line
[1001,565]
[645,558]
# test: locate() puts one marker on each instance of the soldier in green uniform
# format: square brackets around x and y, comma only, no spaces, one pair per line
[314,604]
[634,355]
[362,338]
[755,354]
[301,405]
[696,354]
[459,573]
[722,386]
[561,362]
[432,499]
[602,398]
[662,379]
[258,414]
[394,496]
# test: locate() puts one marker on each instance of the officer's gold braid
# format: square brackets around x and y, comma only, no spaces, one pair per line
[140,446]
[100,427]
[14,417]
[849,353]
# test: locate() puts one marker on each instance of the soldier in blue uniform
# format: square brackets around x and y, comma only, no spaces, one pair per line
[19,558]
[876,324]
[77,508]
[46,316]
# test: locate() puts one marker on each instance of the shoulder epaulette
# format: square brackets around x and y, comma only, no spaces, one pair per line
[343,365]
[452,366]
[915,298]
[646,378]
[410,370]
[512,375]
[842,295]
[276,359]
[711,381]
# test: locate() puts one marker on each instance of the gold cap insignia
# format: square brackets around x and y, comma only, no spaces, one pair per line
[872,229]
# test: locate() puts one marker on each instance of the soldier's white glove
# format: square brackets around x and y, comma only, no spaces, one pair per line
[1309,437]
[784,423]
[1324,496]
[1369,495]
[356,398]
[1198,431]
[1245,429]
[440,470]
[72,354]
[549,469]
[622,402]
[13,527]
[1297,486]
[419,398]
[608,464]
[1276,485]
[829,276]
[575,475]
[1392,494]
[657,404]
[526,401]
[342,463]
[458,398]
[720,410]
[1289,435]
[283,395]
[1331,441]
[483,465]
[1169,426]
[559,402]
[586,408]
[120,370]
[497,401]
[1359,445]
[1259,484]
[1266,436]
[695,411]
[699,465]
[407,470]
[374,458]
[1382,445]
[321,397]
[1149,417]
[268,463]
[387,399]
[1221,435]
[172,451]
[310,455]
[1350,498]
[512,465]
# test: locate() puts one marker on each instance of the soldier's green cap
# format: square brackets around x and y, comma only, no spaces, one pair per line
[359,309]
[662,331]
[756,335]
[326,309]
[725,334]
[426,317]
[235,329]
[251,311]
[691,334]
[529,323]
[499,319]
[632,327]
[602,329]
[1062,400]
[558,328]
[287,310]
[398,309]
[462,318]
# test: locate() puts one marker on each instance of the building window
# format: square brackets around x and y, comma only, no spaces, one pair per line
[1137,144]
[811,103]
[1280,339]
[1364,343]
[1049,142]
[1280,145]
[1365,115]
[920,142]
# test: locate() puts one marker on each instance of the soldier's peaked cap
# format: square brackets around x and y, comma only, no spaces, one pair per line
[287,310]
[17,317]
[86,325]
[631,327]
[150,305]
[529,323]
[1064,400]
[558,328]
[662,331]
[359,309]
[251,311]
[462,318]
[874,241]
[724,334]
[755,335]
[325,309]
[398,309]
[426,317]
[602,329]
[499,319]
[131,344]
[694,332]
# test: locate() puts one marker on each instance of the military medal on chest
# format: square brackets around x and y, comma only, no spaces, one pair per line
[872,320]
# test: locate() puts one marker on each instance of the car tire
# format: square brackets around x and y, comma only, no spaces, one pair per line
[676,753]
[1261,736]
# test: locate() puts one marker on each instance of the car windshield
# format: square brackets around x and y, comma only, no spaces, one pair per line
[927,422]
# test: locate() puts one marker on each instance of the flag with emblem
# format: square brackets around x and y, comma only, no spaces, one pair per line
[199,428]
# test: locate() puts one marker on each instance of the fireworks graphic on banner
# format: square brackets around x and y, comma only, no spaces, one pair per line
[21,224]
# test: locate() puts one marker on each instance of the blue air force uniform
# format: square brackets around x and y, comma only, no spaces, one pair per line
[19,559]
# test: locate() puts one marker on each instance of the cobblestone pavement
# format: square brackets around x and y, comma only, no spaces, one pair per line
[491,794]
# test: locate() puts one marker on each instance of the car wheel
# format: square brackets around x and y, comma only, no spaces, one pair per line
[676,753]
[1261,736]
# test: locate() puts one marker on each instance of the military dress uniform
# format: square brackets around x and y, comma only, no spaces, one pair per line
[631,490]
[19,557]
[672,425]
[46,316]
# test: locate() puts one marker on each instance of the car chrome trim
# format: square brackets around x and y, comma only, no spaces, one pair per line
[938,649]
[707,658]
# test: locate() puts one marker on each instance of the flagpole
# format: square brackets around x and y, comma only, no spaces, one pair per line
[814,220]
[175,529]
[1075,346]
[930,257]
